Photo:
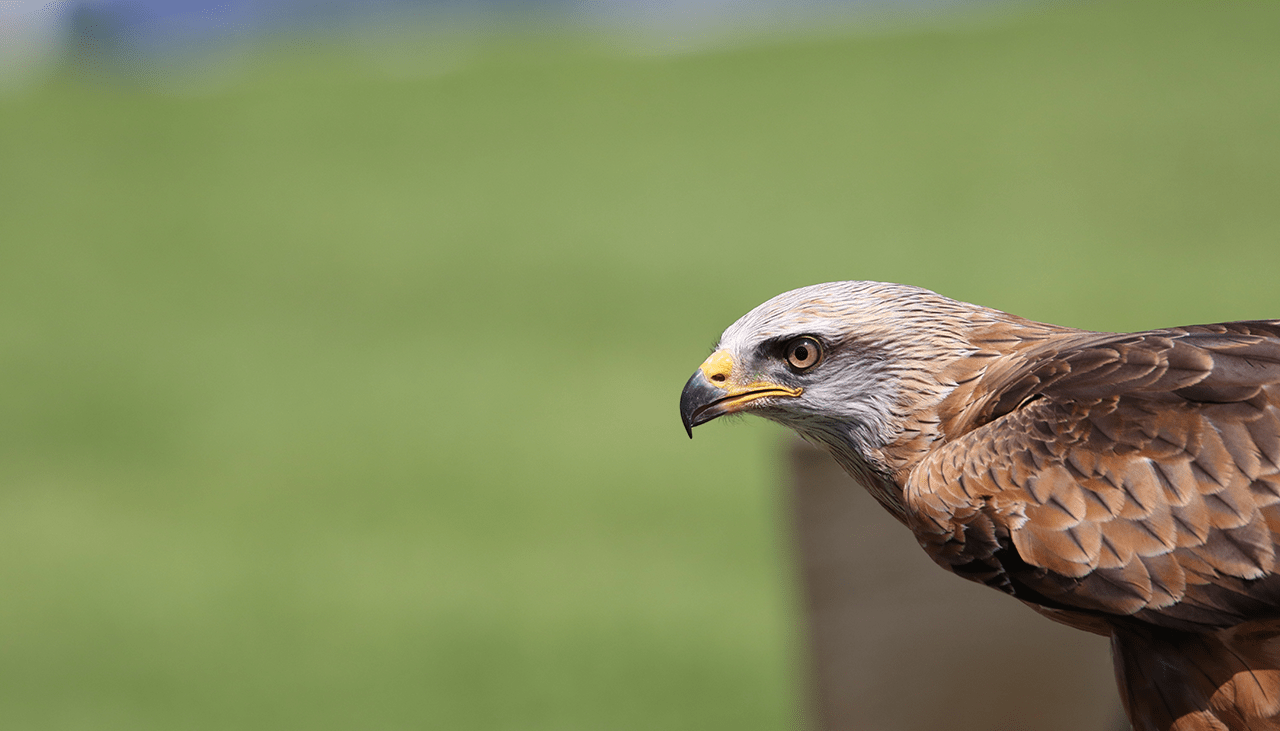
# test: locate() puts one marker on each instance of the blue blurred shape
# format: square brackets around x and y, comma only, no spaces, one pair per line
[173,38]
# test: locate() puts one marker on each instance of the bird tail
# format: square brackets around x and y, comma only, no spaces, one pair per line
[1226,680]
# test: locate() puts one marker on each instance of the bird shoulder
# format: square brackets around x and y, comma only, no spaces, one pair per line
[1122,474]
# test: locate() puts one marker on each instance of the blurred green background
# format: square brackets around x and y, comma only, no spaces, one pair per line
[340,399]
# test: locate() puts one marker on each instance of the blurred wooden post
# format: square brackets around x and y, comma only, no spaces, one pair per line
[897,644]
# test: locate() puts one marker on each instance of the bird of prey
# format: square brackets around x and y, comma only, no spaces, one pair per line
[1123,484]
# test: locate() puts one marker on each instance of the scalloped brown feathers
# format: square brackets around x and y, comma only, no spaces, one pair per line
[1133,479]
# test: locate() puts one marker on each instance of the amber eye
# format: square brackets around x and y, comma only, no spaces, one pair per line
[803,352]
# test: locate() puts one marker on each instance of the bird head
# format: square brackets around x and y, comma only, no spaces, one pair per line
[843,363]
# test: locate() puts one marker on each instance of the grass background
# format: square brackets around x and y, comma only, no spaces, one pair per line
[339,399]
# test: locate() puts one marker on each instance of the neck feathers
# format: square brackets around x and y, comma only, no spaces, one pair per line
[942,393]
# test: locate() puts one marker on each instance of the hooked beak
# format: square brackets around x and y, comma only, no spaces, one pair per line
[711,393]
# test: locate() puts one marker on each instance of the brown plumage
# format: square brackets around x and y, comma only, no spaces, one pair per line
[1125,484]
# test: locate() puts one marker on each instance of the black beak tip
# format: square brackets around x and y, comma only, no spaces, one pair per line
[698,394]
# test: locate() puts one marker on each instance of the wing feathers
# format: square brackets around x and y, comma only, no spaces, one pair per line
[1114,553]
[1168,580]
[1193,523]
[1175,478]
[1132,475]
[1245,551]
[1236,439]
[1209,682]
[1265,432]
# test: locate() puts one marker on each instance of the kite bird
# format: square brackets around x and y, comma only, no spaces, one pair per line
[1124,484]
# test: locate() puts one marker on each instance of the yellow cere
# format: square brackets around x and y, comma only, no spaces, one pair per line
[719,364]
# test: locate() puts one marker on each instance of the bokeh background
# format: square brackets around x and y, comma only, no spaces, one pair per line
[340,351]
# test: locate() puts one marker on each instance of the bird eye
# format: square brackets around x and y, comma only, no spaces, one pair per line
[803,352]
